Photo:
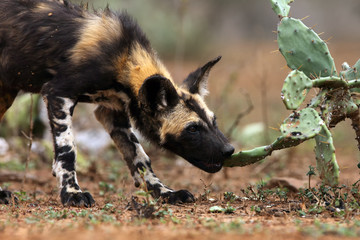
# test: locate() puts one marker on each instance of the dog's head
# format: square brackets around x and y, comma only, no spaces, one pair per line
[187,126]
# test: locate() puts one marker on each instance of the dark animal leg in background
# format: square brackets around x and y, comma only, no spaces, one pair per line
[7,97]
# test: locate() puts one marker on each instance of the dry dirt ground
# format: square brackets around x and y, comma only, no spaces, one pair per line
[255,212]
[269,200]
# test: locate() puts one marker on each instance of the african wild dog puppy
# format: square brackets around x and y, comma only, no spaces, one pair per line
[70,55]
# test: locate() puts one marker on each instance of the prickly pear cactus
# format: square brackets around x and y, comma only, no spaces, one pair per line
[295,89]
[338,96]
[303,49]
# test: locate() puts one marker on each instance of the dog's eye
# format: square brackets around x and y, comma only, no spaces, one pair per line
[192,129]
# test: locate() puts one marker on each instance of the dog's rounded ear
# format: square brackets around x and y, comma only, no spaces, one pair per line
[196,82]
[158,93]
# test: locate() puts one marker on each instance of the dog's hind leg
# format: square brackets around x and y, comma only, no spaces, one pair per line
[116,123]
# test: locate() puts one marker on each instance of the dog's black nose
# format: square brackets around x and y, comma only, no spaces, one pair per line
[228,150]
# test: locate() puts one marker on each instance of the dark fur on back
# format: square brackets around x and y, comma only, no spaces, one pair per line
[33,39]
[40,43]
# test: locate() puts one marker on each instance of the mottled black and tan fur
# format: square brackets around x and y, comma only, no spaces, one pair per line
[70,55]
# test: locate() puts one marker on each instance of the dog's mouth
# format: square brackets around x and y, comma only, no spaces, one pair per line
[210,167]
[211,164]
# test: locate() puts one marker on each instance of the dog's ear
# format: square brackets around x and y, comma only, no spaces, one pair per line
[158,93]
[196,82]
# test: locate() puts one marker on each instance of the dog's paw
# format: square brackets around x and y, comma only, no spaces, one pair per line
[181,196]
[6,197]
[79,199]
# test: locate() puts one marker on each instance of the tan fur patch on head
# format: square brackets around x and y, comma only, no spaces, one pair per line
[200,100]
[140,65]
[176,121]
[96,29]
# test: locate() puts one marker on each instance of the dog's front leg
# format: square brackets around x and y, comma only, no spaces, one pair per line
[117,125]
[60,112]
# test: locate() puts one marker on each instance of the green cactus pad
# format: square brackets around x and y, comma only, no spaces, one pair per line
[281,7]
[325,158]
[303,49]
[302,125]
[351,73]
[295,89]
